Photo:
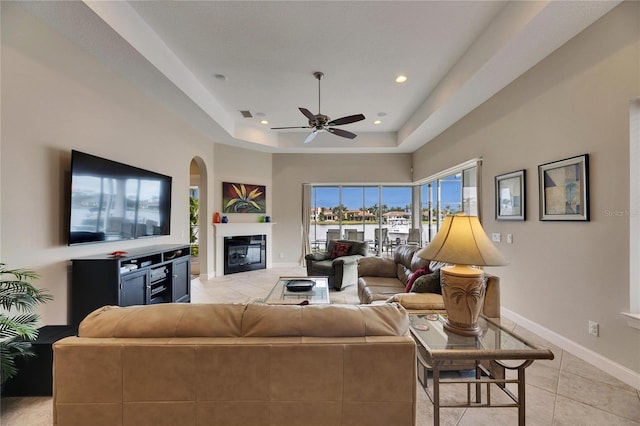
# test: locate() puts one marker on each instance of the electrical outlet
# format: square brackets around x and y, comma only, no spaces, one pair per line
[594,328]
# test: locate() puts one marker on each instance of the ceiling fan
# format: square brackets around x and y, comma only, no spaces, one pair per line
[322,123]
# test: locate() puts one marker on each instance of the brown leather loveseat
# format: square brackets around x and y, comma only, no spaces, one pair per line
[383,279]
[233,364]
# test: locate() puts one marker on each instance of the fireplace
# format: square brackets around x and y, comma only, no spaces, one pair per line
[238,229]
[245,253]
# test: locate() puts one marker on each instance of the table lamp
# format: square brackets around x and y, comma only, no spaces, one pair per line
[463,243]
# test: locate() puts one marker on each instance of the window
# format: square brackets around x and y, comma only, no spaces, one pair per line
[378,214]
[450,192]
[384,214]
[633,316]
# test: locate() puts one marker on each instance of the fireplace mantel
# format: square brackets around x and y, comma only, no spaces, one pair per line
[236,229]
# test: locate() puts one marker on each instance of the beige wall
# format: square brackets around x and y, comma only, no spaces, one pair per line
[563,274]
[290,171]
[241,166]
[56,98]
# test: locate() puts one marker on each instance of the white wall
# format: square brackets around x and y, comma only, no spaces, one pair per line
[563,274]
[55,98]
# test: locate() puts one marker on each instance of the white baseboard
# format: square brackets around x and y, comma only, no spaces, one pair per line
[618,371]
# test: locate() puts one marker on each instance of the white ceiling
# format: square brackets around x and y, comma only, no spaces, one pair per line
[456,55]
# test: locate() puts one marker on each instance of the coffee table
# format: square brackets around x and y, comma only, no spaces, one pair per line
[280,295]
[494,351]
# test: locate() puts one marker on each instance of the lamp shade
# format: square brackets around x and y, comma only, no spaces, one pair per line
[462,241]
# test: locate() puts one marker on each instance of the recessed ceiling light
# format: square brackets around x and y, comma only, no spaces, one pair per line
[401,79]
[382,114]
[377,122]
[220,77]
[264,122]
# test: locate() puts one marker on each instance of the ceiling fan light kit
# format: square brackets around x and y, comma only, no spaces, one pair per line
[323,123]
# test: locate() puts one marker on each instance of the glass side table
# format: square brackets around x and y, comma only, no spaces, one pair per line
[491,353]
[318,294]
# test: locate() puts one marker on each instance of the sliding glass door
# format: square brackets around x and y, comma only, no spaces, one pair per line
[386,215]
[362,213]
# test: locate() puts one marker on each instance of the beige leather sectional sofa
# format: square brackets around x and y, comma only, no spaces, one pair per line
[383,279]
[232,364]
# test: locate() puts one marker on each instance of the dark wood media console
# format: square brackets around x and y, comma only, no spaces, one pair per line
[156,274]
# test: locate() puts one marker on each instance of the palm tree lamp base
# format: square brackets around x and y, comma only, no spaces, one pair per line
[463,290]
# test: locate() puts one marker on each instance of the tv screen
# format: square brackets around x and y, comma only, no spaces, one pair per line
[111,201]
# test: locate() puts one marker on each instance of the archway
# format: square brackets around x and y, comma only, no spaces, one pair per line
[198,214]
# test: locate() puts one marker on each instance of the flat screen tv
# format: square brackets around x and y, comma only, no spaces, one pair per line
[111,201]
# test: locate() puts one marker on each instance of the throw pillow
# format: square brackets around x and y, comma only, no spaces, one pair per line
[339,250]
[417,274]
[429,283]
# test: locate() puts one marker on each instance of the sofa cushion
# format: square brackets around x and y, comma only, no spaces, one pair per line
[376,267]
[371,289]
[356,247]
[323,267]
[416,274]
[403,254]
[339,249]
[164,320]
[428,283]
[419,301]
[262,320]
[239,320]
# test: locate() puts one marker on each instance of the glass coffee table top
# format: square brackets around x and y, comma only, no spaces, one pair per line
[317,294]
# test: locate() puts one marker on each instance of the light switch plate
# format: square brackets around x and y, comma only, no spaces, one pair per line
[495,237]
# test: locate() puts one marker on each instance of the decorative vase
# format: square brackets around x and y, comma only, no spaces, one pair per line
[216,217]
[267,218]
[225,219]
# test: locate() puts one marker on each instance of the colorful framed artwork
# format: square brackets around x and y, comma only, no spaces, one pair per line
[564,189]
[510,196]
[243,198]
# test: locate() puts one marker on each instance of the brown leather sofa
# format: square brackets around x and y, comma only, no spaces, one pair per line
[383,279]
[233,364]
[341,271]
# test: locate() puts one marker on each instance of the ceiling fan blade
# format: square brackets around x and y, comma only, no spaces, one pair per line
[340,132]
[346,120]
[311,136]
[307,113]
[291,127]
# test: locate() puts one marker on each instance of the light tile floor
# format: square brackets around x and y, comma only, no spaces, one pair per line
[564,391]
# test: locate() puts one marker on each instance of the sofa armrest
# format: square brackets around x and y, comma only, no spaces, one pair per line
[491,307]
[433,301]
[419,301]
[317,256]
[346,260]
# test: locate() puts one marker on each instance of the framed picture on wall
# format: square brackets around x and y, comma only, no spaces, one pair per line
[564,189]
[510,196]
[243,198]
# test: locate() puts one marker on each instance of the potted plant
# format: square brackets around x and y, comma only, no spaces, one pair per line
[193,225]
[18,319]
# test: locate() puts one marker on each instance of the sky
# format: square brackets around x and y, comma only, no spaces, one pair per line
[352,197]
